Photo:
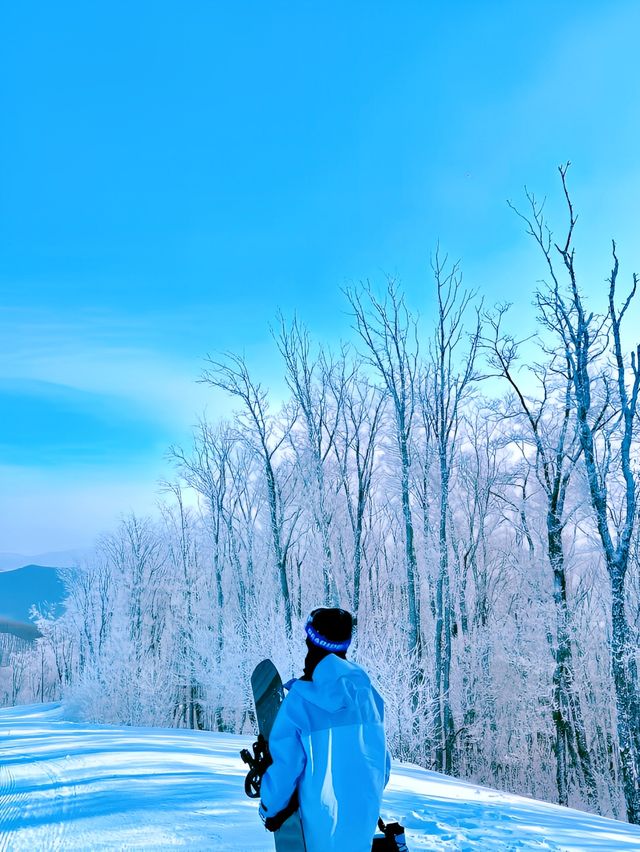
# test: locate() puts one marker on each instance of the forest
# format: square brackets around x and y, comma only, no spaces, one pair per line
[470,496]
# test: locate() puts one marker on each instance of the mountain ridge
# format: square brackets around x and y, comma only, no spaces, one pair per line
[25,587]
[10,561]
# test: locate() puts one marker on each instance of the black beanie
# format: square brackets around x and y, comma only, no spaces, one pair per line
[330,628]
[328,632]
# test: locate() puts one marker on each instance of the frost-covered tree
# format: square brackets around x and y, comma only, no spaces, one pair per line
[606,387]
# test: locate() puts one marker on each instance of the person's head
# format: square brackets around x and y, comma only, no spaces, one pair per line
[330,628]
[329,631]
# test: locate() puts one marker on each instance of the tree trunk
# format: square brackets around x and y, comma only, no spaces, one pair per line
[625,698]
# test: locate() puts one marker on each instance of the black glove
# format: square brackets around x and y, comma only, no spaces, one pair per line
[273,823]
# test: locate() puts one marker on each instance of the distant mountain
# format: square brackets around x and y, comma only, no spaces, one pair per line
[57,558]
[28,632]
[22,588]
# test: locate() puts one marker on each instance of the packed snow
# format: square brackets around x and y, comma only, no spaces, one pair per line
[71,786]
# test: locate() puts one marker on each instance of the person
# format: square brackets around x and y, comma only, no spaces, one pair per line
[328,745]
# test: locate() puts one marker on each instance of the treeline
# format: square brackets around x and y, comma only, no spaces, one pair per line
[478,512]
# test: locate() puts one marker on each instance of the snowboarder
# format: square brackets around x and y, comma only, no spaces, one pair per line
[328,745]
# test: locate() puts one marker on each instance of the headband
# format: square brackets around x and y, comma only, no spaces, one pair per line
[319,640]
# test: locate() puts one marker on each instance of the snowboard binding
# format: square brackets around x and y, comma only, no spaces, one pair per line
[392,838]
[258,762]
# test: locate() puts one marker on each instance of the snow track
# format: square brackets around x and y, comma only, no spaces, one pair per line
[67,786]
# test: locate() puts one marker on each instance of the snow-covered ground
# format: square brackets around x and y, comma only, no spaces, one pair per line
[74,786]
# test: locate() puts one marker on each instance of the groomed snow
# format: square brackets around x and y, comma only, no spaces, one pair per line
[72,786]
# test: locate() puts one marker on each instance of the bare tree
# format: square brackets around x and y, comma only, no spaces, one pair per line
[606,388]
[206,471]
[549,424]
[184,556]
[233,377]
[475,521]
[448,379]
[311,381]
[389,333]
[361,411]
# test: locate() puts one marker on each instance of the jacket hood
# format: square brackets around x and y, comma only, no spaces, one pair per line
[334,683]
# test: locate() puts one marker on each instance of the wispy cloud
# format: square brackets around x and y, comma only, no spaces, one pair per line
[88,409]
[99,355]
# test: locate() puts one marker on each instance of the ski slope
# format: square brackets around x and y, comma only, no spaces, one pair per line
[72,786]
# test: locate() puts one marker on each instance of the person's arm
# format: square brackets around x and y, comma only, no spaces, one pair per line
[387,757]
[387,770]
[280,781]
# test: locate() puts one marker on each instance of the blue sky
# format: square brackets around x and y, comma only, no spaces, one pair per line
[173,174]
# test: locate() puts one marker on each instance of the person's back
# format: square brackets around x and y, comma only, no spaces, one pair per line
[328,743]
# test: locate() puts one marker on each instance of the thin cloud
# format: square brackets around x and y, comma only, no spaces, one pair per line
[98,355]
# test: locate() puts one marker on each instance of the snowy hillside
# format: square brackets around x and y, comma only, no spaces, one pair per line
[74,786]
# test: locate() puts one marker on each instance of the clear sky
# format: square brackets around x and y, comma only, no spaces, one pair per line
[172,174]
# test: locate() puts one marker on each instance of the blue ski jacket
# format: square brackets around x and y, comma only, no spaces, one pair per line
[328,743]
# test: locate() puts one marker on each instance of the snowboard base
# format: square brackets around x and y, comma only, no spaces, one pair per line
[268,695]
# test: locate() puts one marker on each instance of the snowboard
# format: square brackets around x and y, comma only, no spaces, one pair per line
[268,695]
